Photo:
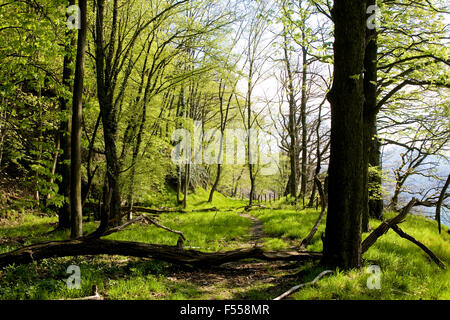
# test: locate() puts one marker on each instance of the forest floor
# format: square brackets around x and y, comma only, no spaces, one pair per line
[406,271]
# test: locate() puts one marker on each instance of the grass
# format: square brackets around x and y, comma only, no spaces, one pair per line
[206,231]
[289,224]
[406,271]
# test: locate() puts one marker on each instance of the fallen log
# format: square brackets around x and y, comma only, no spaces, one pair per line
[160,211]
[173,254]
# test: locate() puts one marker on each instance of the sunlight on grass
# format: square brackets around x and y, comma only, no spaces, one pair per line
[406,271]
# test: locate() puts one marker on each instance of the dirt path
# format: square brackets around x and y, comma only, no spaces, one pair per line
[257,228]
[241,280]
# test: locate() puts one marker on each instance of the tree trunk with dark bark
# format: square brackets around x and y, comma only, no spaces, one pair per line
[342,243]
[105,92]
[370,111]
[63,167]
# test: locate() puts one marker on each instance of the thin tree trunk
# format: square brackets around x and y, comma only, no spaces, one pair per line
[75,164]
[292,125]
[178,184]
[303,121]
[55,161]
[216,182]
[249,141]
[439,202]
[319,156]
[186,184]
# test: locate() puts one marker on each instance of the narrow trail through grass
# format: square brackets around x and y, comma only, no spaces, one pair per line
[256,229]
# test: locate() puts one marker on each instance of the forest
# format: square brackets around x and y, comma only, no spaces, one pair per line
[224,150]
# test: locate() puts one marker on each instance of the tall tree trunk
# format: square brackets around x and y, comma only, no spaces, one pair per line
[292,126]
[303,121]
[342,243]
[136,149]
[370,111]
[64,131]
[105,93]
[319,156]
[75,163]
[249,135]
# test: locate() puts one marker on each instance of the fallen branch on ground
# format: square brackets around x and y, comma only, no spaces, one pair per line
[160,211]
[404,235]
[385,226]
[173,254]
[141,218]
[392,224]
[295,288]
[95,295]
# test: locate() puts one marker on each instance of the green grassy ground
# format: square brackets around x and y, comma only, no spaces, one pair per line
[406,271]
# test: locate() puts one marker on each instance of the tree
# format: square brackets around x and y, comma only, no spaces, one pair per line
[255,60]
[394,49]
[76,209]
[342,244]
[225,97]
[110,58]
[369,113]
[64,134]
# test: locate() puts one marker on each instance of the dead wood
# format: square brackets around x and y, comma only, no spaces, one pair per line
[141,218]
[168,210]
[173,254]
[430,253]
[392,224]
[385,225]
[295,288]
